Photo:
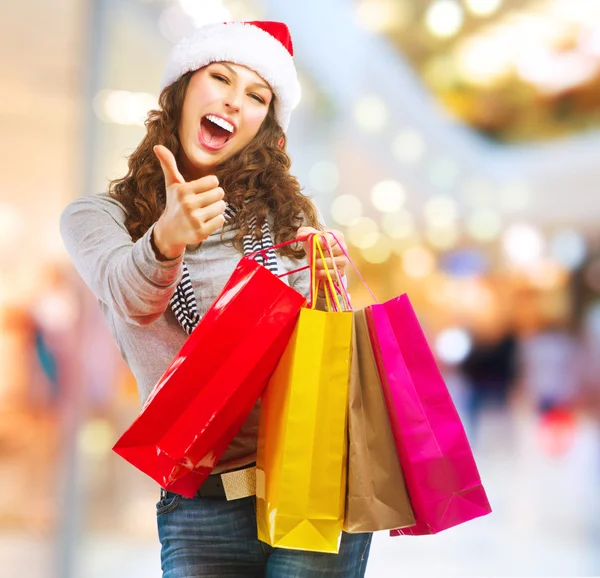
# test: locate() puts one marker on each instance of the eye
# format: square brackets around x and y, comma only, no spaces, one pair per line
[220,78]
[258,98]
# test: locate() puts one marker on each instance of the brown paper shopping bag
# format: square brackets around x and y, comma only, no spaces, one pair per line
[377,498]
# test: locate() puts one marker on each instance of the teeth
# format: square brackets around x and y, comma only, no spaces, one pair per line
[220,122]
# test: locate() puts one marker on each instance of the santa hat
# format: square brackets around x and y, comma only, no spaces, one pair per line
[265,47]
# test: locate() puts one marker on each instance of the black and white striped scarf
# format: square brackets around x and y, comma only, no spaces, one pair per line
[183,303]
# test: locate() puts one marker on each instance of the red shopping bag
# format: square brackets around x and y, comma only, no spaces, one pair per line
[443,482]
[212,384]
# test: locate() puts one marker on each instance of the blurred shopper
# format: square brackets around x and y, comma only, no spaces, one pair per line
[590,367]
[550,361]
[551,373]
[490,370]
[52,315]
[209,181]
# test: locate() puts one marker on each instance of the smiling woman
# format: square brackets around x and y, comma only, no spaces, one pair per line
[212,170]
[252,165]
[224,107]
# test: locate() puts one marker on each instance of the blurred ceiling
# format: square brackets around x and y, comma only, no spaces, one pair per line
[366,78]
[372,107]
[515,70]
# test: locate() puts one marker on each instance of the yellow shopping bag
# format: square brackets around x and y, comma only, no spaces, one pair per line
[302,440]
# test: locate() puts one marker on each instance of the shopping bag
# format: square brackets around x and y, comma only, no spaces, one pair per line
[201,401]
[377,498]
[302,439]
[440,472]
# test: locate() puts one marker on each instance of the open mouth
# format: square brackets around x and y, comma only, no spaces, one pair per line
[215,132]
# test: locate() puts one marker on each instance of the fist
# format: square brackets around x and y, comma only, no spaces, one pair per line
[338,254]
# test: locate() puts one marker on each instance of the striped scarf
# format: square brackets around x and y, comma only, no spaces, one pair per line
[183,303]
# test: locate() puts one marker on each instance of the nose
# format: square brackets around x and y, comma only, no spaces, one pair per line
[233,99]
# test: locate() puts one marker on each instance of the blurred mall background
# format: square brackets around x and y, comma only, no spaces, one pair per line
[457,145]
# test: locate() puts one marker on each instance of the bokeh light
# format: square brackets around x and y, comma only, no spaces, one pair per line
[484,224]
[568,248]
[324,177]
[363,233]
[205,12]
[453,345]
[388,196]
[11,224]
[124,107]
[408,146]
[346,209]
[398,225]
[514,196]
[442,237]
[444,18]
[96,437]
[371,113]
[384,15]
[465,263]
[174,23]
[379,249]
[483,7]
[546,274]
[523,244]
[440,211]
[483,60]
[418,261]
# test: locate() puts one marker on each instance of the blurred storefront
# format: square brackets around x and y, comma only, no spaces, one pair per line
[455,144]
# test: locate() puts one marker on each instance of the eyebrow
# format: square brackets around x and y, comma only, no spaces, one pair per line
[259,84]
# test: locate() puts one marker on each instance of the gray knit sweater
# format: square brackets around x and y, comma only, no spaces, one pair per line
[133,289]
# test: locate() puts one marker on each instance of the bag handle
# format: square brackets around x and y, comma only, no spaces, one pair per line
[274,247]
[304,238]
[330,291]
[353,265]
[329,285]
[279,246]
[340,287]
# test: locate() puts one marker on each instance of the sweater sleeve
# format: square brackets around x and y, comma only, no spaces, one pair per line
[126,276]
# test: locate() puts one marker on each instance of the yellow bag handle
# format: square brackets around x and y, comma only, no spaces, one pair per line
[329,285]
[342,288]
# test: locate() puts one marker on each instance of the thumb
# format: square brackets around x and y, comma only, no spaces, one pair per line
[168,165]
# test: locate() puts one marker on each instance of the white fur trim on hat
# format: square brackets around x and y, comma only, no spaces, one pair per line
[244,44]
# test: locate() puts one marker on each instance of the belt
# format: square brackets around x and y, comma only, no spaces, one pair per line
[229,485]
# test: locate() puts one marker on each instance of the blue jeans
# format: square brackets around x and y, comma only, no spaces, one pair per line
[210,538]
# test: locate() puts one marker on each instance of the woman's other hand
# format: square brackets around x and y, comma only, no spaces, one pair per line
[338,254]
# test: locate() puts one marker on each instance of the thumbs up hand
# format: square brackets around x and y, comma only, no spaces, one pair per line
[194,210]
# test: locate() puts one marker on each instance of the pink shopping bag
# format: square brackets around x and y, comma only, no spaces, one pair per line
[439,468]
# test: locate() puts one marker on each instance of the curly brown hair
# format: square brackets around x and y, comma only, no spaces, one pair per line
[256,180]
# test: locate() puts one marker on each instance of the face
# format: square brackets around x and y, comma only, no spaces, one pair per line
[224,107]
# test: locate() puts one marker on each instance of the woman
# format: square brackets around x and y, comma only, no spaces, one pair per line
[209,181]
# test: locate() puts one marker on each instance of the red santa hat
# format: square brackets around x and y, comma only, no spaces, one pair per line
[265,47]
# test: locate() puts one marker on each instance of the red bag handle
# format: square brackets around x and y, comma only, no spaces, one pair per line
[302,239]
[263,251]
